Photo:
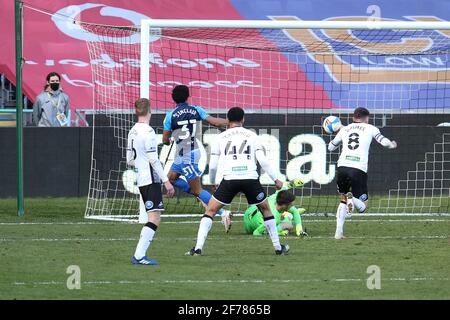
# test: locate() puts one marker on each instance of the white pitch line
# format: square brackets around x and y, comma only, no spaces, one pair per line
[318,214]
[243,237]
[382,220]
[238,221]
[46,283]
[53,223]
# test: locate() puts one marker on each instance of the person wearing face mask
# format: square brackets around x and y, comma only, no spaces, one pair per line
[52,105]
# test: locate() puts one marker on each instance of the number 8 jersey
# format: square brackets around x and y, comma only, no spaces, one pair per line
[356,139]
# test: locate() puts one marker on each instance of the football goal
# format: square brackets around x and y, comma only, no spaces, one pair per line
[288,75]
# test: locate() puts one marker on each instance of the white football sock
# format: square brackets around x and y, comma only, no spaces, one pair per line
[145,240]
[340,219]
[358,204]
[271,227]
[205,226]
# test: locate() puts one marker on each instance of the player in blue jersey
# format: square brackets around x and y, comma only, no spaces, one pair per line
[183,125]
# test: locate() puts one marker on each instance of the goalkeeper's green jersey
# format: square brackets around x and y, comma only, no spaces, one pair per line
[254,221]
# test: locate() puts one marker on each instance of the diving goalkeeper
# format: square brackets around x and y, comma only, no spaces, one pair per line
[287,216]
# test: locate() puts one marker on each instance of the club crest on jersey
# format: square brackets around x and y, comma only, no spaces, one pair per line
[363,197]
[148,205]
[260,196]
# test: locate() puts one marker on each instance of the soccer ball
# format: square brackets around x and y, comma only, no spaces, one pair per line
[331,124]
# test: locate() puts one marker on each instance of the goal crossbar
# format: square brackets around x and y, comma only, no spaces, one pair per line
[296,24]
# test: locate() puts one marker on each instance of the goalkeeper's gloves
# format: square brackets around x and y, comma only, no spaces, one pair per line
[296,183]
[286,216]
[300,232]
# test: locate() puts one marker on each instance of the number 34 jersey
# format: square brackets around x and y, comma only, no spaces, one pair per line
[236,148]
[356,139]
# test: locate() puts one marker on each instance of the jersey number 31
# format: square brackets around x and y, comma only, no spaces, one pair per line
[188,127]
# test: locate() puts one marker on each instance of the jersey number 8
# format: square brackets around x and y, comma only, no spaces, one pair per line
[353,141]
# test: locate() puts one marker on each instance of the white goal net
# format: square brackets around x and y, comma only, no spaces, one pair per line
[287,75]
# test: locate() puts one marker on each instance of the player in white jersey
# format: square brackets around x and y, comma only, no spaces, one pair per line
[239,150]
[352,164]
[142,154]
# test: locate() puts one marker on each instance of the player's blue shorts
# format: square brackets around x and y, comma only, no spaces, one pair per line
[189,170]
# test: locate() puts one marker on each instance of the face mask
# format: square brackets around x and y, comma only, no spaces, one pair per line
[54,86]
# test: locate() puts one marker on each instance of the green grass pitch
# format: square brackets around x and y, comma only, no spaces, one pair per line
[413,254]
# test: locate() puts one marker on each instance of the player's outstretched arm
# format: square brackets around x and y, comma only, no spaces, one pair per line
[385,142]
[217,122]
[334,144]
[214,121]
[297,221]
[287,185]
[267,167]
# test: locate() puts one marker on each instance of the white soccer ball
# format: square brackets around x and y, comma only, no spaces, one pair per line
[331,124]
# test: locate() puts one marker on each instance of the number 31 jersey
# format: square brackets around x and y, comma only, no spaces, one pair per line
[184,122]
[356,139]
[236,148]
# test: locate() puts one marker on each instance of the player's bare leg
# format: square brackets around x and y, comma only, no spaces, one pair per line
[271,226]
[205,226]
[173,176]
[147,233]
[196,187]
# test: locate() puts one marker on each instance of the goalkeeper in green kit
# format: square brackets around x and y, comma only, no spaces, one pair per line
[287,216]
